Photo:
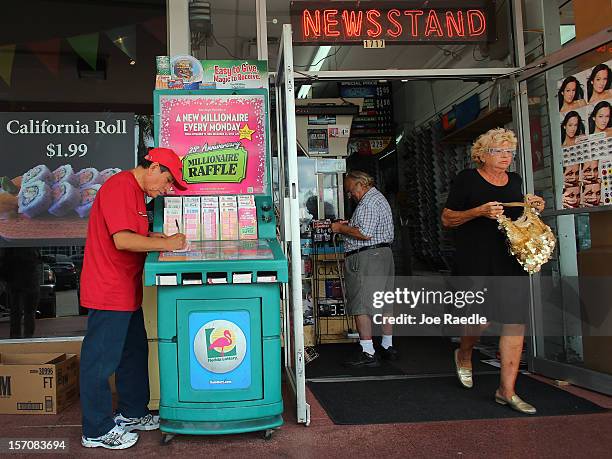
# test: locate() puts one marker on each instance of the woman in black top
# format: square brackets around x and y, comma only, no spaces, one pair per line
[473,206]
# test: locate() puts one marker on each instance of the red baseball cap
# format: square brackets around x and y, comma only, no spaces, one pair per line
[168,158]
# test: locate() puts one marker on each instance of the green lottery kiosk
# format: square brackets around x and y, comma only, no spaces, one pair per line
[219,300]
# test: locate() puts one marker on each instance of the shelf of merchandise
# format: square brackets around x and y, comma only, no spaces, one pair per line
[434,165]
[488,120]
[328,329]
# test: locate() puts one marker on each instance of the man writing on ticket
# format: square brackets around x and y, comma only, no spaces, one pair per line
[111,287]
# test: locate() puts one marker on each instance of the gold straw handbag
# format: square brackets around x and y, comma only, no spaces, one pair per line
[530,240]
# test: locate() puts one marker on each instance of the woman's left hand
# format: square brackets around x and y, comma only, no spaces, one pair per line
[536,202]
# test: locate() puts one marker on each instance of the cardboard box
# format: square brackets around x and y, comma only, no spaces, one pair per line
[154,394]
[309,336]
[37,383]
[149,311]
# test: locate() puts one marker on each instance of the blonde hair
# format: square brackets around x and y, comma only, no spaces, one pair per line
[361,177]
[492,137]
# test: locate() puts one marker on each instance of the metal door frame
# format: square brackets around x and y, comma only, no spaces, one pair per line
[583,377]
[293,335]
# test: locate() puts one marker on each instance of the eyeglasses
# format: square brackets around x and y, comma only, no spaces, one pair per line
[503,151]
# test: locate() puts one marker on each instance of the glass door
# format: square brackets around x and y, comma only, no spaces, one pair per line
[567,140]
[293,314]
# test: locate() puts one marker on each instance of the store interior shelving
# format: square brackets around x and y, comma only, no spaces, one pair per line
[433,164]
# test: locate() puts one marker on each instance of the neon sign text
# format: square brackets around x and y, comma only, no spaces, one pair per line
[353,22]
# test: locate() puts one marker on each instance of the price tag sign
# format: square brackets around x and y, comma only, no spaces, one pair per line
[53,164]
[81,140]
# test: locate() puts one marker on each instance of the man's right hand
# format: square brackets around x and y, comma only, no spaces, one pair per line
[491,210]
[177,241]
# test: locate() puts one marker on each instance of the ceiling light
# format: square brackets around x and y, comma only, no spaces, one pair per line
[319,59]
[317,62]
[304,90]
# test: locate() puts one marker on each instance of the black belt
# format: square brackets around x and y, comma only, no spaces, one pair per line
[367,247]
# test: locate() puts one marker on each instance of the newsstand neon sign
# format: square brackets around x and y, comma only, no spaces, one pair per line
[395,22]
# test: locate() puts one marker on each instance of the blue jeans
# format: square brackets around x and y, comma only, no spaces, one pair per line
[116,342]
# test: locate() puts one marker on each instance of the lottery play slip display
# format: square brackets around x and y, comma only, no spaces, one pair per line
[218,301]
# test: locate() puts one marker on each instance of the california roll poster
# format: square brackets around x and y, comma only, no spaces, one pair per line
[221,140]
[53,164]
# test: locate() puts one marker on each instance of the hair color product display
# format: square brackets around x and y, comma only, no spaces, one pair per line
[585,106]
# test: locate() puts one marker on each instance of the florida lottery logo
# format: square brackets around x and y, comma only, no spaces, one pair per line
[220,346]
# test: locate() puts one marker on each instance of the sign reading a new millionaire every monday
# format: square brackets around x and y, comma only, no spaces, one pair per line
[221,140]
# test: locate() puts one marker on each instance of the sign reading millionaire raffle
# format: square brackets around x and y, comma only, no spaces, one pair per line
[221,140]
[53,164]
[401,21]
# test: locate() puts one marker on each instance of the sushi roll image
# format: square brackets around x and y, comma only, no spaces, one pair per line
[34,198]
[87,197]
[40,172]
[86,177]
[106,174]
[65,199]
[65,174]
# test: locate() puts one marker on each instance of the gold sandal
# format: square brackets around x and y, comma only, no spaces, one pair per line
[463,373]
[516,403]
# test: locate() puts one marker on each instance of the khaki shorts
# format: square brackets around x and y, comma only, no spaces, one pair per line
[367,272]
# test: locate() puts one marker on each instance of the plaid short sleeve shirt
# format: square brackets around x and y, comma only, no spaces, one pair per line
[374,219]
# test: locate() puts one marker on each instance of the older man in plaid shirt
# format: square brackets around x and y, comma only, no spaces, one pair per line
[368,264]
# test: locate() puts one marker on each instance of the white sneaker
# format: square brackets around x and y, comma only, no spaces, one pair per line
[116,438]
[148,422]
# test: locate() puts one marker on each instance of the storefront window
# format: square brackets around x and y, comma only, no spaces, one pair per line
[571,151]
[75,107]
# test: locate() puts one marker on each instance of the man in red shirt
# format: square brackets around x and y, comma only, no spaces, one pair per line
[111,287]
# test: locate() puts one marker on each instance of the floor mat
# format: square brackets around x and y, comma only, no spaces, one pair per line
[330,361]
[418,355]
[438,399]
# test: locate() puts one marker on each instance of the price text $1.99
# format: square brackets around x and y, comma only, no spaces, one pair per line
[73,149]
